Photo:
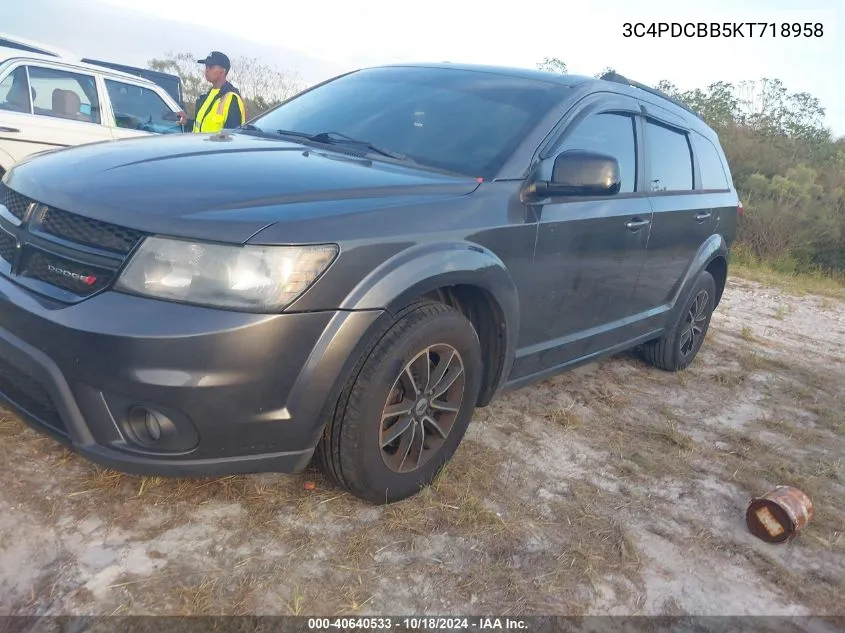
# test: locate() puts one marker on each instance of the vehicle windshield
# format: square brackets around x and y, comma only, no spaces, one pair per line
[455,120]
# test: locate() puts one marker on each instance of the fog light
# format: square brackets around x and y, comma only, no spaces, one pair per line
[149,427]
[153,426]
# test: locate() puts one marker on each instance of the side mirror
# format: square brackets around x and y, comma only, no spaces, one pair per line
[582,173]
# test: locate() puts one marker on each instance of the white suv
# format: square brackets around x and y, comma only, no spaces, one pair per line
[48,101]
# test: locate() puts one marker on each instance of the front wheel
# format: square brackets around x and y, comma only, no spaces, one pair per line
[401,418]
[680,344]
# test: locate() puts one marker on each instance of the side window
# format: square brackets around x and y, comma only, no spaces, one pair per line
[14,92]
[669,159]
[611,134]
[712,171]
[64,95]
[139,108]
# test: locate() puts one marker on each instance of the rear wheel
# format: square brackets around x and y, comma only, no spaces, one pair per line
[403,414]
[681,343]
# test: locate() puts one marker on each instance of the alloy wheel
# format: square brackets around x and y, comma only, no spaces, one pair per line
[421,408]
[694,323]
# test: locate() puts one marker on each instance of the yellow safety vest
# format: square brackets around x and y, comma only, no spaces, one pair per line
[210,118]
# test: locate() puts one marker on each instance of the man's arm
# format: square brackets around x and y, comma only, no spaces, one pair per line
[236,115]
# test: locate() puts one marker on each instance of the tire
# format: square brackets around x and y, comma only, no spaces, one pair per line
[352,452]
[674,351]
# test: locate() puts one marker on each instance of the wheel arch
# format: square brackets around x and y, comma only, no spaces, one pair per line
[466,276]
[712,256]
[718,267]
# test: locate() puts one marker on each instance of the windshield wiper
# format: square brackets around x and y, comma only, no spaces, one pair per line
[332,138]
[295,134]
[249,127]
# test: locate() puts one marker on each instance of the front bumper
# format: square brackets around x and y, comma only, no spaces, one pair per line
[238,393]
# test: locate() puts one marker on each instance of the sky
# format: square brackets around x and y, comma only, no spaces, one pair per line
[320,39]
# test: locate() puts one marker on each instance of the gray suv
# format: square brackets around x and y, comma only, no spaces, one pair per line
[348,276]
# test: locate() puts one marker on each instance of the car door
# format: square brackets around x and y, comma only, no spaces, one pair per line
[138,110]
[15,114]
[589,250]
[683,218]
[52,106]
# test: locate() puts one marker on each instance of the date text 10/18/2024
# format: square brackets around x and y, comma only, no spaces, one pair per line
[421,623]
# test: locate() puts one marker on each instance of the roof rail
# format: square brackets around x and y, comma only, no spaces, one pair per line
[619,79]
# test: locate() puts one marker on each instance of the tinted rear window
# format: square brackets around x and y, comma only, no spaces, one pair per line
[461,121]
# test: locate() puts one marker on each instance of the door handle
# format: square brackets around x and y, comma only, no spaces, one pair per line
[636,225]
[9,130]
[700,217]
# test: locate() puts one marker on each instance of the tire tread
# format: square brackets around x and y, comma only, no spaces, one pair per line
[340,439]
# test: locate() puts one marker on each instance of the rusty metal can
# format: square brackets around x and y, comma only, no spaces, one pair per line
[779,515]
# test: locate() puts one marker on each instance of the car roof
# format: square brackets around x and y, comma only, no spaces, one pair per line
[8,54]
[664,101]
[505,71]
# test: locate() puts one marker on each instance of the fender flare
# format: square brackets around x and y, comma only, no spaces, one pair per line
[422,269]
[364,315]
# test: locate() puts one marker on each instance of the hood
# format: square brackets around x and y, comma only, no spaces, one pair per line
[215,187]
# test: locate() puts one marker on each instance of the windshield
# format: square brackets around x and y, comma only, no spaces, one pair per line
[461,121]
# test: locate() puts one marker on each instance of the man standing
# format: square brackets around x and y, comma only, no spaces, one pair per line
[221,107]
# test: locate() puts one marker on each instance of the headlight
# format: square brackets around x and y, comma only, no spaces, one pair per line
[259,278]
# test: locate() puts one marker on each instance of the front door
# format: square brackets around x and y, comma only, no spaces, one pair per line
[45,107]
[589,250]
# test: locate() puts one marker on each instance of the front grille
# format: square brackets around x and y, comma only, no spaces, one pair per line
[7,246]
[14,202]
[61,252]
[80,279]
[82,230]
[27,393]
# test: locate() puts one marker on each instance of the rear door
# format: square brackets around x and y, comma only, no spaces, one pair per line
[43,106]
[138,110]
[683,217]
[589,249]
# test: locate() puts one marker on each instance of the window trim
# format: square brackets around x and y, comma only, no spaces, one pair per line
[72,71]
[8,72]
[599,102]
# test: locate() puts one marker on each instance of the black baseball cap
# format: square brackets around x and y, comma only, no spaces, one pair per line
[216,58]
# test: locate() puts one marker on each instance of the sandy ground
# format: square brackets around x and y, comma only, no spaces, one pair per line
[614,489]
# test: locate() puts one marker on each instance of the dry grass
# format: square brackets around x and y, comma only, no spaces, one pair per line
[799,285]
[565,416]
[757,466]
[782,311]
[731,379]
[803,432]
[502,530]
[598,544]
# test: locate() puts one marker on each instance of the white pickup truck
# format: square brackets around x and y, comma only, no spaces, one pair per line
[49,100]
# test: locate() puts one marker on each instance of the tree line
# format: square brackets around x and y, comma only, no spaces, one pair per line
[787,167]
